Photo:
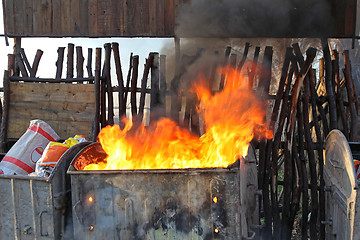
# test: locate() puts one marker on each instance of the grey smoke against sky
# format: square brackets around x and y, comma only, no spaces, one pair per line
[255,18]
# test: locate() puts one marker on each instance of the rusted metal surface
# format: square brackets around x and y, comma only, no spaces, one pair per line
[35,207]
[340,187]
[159,18]
[214,203]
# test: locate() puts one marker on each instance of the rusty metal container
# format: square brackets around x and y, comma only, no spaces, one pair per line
[217,203]
[35,207]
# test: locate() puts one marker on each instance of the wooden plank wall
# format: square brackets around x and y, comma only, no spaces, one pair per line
[87,18]
[68,108]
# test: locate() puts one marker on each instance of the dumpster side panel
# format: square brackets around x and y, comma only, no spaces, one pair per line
[7,223]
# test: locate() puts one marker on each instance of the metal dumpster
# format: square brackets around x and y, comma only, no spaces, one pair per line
[342,194]
[35,207]
[208,203]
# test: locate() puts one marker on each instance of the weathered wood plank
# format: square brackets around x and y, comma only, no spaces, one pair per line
[169,17]
[42,17]
[116,19]
[60,111]
[66,24]
[17,128]
[93,16]
[28,17]
[68,108]
[160,22]
[55,92]
[83,17]
[75,18]
[19,16]
[9,17]
[56,17]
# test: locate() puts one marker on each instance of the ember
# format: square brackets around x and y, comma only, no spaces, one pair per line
[232,117]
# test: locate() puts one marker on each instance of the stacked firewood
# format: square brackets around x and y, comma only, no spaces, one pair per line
[291,163]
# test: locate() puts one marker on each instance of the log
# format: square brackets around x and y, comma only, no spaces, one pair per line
[312,164]
[26,61]
[89,63]
[320,146]
[329,85]
[36,62]
[133,87]
[79,62]
[305,185]
[243,59]
[338,94]
[253,68]
[283,225]
[214,69]
[5,115]
[310,53]
[265,78]
[120,79]
[21,65]
[163,86]
[11,64]
[59,62]
[225,64]
[272,165]
[70,61]
[144,79]
[97,94]
[351,98]
[155,81]
[107,76]
[128,78]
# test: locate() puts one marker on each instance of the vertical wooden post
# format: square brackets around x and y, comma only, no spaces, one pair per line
[120,79]
[149,62]
[134,86]
[163,86]
[17,49]
[70,61]
[329,85]
[253,68]
[97,94]
[36,62]
[89,63]
[351,99]
[5,115]
[243,59]
[59,62]
[26,61]
[107,77]
[11,64]
[225,63]
[265,78]
[79,62]
[155,75]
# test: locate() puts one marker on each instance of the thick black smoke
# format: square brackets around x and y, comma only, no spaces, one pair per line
[255,18]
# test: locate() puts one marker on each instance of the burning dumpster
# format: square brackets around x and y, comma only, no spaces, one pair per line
[37,207]
[201,203]
[162,181]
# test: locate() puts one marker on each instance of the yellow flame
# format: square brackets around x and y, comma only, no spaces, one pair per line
[215,200]
[232,117]
[90,199]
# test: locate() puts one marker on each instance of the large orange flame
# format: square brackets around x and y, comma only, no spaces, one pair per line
[231,118]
